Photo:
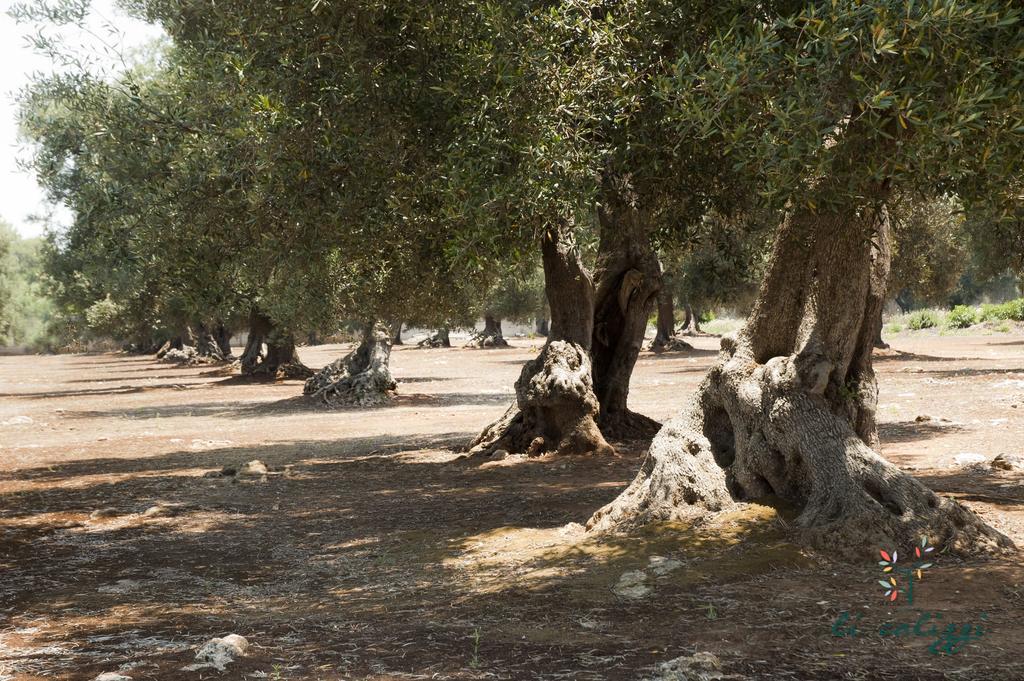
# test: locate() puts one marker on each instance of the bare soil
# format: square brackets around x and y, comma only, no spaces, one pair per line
[371,550]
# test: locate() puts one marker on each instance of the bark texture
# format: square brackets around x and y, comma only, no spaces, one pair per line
[270,351]
[556,408]
[788,411]
[360,378]
[491,335]
[628,277]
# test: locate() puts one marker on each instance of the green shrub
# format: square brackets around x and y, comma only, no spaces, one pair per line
[923,319]
[1013,309]
[961,317]
[894,327]
[992,313]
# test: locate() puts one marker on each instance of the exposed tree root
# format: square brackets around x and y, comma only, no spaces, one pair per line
[438,339]
[490,337]
[754,431]
[360,378]
[628,425]
[671,344]
[555,409]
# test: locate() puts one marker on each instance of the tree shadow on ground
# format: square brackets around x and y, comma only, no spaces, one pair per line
[984,485]
[114,390]
[384,557]
[915,431]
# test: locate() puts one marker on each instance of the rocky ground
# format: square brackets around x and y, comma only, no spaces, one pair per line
[361,546]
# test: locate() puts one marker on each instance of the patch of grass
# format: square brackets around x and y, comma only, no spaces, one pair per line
[893,327]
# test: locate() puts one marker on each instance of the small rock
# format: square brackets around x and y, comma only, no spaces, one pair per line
[220,652]
[697,667]
[969,459]
[17,421]
[632,585]
[499,454]
[112,676]
[101,513]
[1008,462]
[661,566]
[155,511]
[254,467]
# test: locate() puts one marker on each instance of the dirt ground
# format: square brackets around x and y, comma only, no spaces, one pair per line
[372,551]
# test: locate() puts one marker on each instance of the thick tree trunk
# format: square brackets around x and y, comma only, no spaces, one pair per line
[628,277]
[271,351]
[396,332]
[789,409]
[223,336]
[360,378]
[207,346]
[491,336]
[879,342]
[441,338]
[691,321]
[665,338]
[186,351]
[175,343]
[556,409]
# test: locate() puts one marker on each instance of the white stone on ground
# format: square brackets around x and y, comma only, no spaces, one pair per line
[112,676]
[661,566]
[218,653]
[969,459]
[254,467]
[701,666]
[632,585]
[1008,462]
[17,421]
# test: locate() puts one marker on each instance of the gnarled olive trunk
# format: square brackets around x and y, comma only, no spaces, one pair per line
[441,338]
[665,338]
[223,336]
[788,411]
[491,336]
[556,409]
[396,332]
[691,321]
[270,351]
[360,378]
[206,344]
[628,277]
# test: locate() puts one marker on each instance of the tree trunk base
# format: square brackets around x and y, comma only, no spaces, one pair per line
[439,339]
[486,339]
[765,431]
[628,425]
[555,409]
[670,344]
[361,378]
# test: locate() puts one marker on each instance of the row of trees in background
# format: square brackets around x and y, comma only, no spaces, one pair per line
[285,165]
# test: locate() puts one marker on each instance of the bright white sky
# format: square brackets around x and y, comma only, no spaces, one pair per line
[20,197]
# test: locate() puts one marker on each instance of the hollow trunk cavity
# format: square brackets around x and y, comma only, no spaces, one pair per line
[628,277]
